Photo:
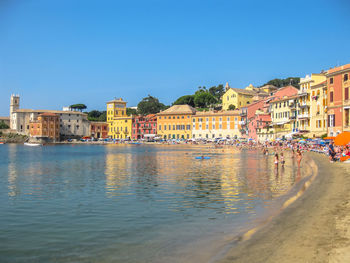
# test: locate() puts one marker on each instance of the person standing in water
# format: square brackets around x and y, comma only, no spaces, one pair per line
[282,159]
[299,157]
[276,159]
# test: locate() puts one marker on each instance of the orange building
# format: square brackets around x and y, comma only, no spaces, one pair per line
[338,100]
[47,125]
[99,129]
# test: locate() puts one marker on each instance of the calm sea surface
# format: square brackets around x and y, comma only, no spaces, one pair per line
[132,203]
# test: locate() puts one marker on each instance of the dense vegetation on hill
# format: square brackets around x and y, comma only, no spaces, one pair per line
[3,125]
[150,105]
[203,97]
[294,81]
[96,115]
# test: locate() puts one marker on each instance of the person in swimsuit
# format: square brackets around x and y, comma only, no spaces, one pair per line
[282,159]
[299,156]
[276,159]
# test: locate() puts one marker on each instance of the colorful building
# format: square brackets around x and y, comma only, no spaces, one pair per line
[338,101]
[144,127]
[261,127]
[46,126]
[221,124]
[118,122]
[175,122]
[73,124]
[99,130]
[318,109]
[237,97]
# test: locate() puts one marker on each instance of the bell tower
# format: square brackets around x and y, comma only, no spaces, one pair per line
[14,105]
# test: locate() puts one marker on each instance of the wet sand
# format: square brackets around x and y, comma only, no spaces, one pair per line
[314,228]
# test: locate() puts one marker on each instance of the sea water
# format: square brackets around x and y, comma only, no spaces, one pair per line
[132,203]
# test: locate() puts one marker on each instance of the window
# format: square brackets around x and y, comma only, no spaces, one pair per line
[160,117]
[182,117]
[331,81]
[160,127]
[346,93]
[169,127]
[346,77]
[331,96]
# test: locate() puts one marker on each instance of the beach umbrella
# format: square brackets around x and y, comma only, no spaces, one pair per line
[342,139]
[302,141]
[329,138]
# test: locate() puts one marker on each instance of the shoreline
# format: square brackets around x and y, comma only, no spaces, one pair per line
[313,228]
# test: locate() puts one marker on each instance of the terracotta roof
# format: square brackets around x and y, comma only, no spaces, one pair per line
[4,118]
[321,84]
[98,122]
[49,111]
[217,113]
[244,91]
[117,100]
[285,98]
[48,114]
[336,69]
[178,109]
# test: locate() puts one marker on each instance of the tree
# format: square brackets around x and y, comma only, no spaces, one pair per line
[96,115]
[187,99]
[204,99]
[79,107]
[201,90]
[3,125]
[130,111]
[284,82]
[217,91]
[150,105]
[232,107]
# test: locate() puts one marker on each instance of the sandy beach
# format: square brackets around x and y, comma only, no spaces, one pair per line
[314,228]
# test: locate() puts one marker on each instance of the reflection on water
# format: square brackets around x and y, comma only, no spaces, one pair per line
[121,203]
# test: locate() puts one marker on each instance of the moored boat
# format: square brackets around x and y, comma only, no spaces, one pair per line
[32,144]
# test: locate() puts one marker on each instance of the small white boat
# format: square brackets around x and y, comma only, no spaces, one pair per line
[32,144]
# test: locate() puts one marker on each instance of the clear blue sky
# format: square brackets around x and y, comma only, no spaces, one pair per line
[57,53]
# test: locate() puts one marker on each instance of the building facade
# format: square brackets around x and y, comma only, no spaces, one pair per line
[175,122]
[99,130]
[221,124]
[318,109]
[46,126]
[118,122]
[72,123]
[338,103]
[144,127]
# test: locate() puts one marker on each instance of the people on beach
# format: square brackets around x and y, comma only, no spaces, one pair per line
[331,152]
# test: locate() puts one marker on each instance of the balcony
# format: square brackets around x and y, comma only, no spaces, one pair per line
[303,116]
[304,104]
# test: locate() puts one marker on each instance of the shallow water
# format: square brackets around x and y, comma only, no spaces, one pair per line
[131,203]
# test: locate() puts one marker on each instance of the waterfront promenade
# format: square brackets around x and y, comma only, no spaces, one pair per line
[315,228]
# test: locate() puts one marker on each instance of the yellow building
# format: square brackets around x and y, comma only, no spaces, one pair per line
[318,109]
[240,97]
[222,124]
[283,116]
[175,122]
[303,109]
[118,122]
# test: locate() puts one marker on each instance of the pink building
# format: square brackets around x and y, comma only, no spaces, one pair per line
[144,127]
